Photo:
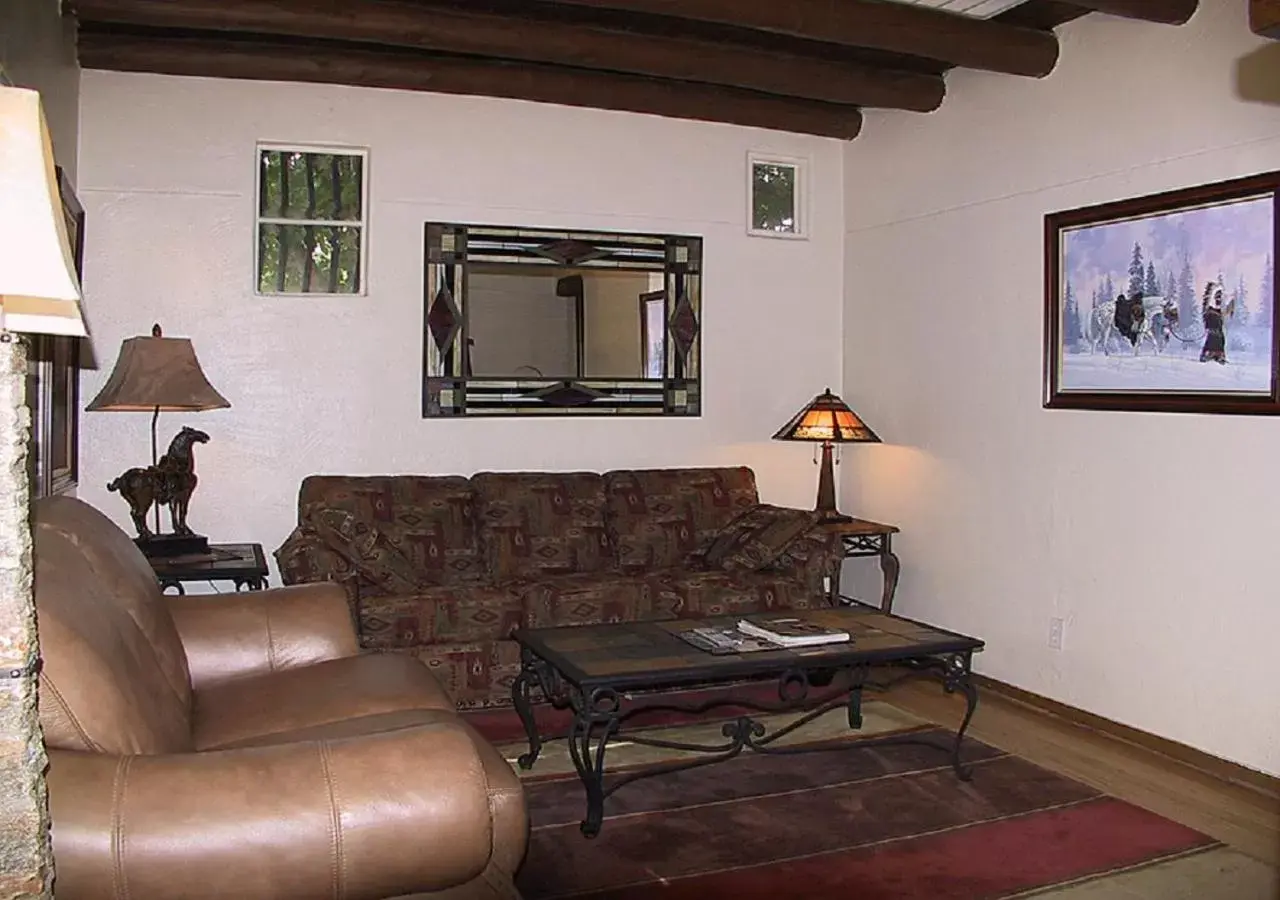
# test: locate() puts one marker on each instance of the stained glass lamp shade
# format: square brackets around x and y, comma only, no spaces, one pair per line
[828,419]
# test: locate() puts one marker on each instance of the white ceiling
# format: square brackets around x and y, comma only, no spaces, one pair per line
[978,9]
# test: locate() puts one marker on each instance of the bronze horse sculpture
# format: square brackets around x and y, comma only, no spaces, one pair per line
[171,481]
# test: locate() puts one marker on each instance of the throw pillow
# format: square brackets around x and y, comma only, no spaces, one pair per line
[758,537]
[368,550]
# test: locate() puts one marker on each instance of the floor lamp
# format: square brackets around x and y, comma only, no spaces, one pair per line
[828,419]
[39,294]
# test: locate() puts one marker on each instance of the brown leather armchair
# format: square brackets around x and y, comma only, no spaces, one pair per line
[239,746]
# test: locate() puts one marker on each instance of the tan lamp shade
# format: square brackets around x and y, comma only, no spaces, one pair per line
[39,290]
[827,418]
[157,373]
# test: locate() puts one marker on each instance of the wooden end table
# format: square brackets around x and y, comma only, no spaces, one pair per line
[862,538]
[244,565]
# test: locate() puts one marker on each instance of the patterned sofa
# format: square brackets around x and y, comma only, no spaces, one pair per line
[444,567]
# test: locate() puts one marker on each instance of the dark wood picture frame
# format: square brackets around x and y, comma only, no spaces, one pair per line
[1190,219]
[53,382]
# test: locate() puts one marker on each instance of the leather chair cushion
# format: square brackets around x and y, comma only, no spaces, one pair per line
[270,707]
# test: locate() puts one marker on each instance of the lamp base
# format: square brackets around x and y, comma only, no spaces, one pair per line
[831,517]
[164,546]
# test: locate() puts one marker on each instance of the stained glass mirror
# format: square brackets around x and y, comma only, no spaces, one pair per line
[534,321]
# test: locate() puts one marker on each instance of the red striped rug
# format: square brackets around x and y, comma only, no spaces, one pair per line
[872,823]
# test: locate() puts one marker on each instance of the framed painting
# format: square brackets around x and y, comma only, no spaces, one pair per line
[53,383]
[1165,303]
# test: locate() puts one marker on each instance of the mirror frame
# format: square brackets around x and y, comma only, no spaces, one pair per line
[449,390]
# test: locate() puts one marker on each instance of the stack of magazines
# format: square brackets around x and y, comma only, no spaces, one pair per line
[791,632]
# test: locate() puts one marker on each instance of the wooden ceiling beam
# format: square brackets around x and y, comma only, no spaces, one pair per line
[420,71]
[430,27]
[1264,18]
[1165,12]
[898,27]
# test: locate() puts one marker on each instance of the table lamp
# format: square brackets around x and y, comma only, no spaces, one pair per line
[39,293]
[828,419]
[152,374]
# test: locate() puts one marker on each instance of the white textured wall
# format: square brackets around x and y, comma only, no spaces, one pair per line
[333,385]
[1153,535]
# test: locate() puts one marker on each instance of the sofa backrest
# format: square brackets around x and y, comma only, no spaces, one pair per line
[660,518]
[542,523]
[113,675]
[430,520]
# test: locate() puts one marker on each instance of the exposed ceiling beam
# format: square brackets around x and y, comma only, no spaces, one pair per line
[1264,18]
[425,26]
[898,27]
[1166,12]
[406,70]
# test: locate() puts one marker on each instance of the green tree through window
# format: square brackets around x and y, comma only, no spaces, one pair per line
[310,222]
[774,191]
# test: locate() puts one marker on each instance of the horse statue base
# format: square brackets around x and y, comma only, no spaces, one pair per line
[167,546]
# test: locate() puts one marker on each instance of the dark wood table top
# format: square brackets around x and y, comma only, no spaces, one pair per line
[647,654]
[860,526]
[223,561]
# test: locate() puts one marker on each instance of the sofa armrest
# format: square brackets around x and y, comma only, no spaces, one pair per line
[372,816]
[813,558]
[229,636]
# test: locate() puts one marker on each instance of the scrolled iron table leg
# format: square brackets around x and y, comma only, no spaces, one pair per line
[520,689]
[595,719]
[956,678]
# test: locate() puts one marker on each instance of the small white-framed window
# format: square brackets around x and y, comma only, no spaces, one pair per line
[309,229]
[777,196]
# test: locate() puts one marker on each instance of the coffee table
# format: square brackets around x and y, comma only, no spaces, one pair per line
[596,669]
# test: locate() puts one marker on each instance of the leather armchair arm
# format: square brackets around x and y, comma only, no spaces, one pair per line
[230,636]
[372,816]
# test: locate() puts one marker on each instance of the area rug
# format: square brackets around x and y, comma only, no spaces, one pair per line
[869,822]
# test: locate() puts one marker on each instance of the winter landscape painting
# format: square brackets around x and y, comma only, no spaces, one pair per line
[1165,302]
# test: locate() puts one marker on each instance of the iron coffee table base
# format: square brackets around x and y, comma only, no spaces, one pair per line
[599,716]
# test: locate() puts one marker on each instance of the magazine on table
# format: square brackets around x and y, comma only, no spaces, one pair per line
[789,631]
[725,639]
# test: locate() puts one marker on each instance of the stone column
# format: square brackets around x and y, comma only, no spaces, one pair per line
[26,857]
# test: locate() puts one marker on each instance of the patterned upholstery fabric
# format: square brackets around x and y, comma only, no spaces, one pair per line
[811,559]
[367,550]
[474,675]
[711,593]
[442,615]
[536,524]
[661,518]
[430,520]
[304,558]
[757,538]
[444,567]
[593,598]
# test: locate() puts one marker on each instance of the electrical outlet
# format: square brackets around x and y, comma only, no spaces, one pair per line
[1056,627]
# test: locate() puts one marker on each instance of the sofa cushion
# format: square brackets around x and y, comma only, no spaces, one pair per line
[535,524]
[715,593]
[757,538]
[373,555]
[660,518]
[594,598]
[430,519]
[254,709]
[438,615]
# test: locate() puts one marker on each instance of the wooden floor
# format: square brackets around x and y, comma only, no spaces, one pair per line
[1243,816]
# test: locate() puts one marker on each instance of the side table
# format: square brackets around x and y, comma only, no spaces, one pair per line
[244,565]
[859,538]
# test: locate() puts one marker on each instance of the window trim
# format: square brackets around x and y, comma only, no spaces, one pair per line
[800,165]
[362,223]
